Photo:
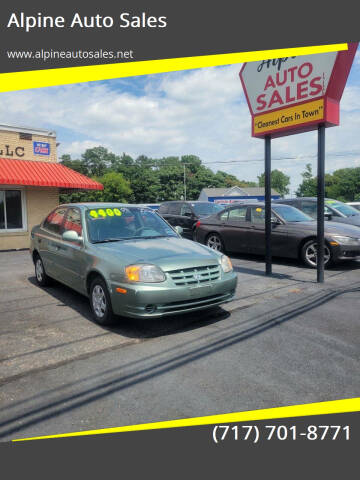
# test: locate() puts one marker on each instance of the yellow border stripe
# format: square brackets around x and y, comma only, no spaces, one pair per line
[323,408]
[61,76]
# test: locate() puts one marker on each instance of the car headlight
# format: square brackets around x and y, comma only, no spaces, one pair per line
[226,264]
[144,273]
[346,240]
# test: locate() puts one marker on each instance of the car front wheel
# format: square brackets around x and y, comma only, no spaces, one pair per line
[309,254]
[42,279]
[215,242]
[100,302]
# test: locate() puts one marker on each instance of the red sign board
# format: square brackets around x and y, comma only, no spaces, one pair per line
[294,94]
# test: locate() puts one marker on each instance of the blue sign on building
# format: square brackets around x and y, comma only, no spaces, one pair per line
[41,148]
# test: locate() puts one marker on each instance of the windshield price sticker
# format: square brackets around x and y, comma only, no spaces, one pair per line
[256,433]
[108,212]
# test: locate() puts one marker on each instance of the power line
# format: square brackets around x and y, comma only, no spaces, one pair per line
[253,160]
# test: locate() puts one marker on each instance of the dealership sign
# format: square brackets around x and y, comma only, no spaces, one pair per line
[294,94]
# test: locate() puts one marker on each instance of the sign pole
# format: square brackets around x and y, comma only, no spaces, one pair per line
[268,257]
[320,203]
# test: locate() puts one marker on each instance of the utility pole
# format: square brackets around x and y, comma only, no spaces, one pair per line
[184,181]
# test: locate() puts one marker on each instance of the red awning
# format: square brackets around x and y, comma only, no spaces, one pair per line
[43,174]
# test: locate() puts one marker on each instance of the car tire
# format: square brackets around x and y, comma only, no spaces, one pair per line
[214,241]
[42,278]
[309,254]
[100,302]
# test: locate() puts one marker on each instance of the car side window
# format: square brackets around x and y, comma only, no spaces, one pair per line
[238,214]
[73,221]
[310,208]
[224,216]
[174,208]
[257,215]
[185,209]
[330,211]
[164,208]
[54,222]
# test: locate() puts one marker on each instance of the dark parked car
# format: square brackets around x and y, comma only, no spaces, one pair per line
[186,214]
[241,228]
[336,211]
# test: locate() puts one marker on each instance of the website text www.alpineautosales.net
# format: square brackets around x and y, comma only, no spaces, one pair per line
[44,55]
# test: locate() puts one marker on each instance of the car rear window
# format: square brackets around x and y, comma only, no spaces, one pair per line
[206,208]
[164,208]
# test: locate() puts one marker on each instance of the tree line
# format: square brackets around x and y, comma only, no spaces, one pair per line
[145,179]
[342,184]
[154,180]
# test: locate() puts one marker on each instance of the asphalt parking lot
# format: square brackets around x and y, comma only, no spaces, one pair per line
[48,338]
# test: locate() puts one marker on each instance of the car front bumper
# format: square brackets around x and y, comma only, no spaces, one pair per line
[346,252]
[161,300]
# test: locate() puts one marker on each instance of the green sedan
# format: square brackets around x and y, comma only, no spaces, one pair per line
[129,261]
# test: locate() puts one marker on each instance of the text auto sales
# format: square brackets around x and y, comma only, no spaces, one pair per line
[302,85]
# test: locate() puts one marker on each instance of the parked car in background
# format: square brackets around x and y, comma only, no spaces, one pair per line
[334,210]
[354,205]
[241,228]
[128,261]
[153,206]
[186,214]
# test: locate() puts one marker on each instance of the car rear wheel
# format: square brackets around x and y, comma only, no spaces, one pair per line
[100,302]
[42,279]
[214,241]
[309,254]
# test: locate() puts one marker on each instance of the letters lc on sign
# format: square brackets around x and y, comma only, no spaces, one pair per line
[294,94]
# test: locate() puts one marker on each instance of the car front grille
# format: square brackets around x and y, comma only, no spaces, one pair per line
[195,276]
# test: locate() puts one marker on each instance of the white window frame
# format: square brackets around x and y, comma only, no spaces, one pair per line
[23,209]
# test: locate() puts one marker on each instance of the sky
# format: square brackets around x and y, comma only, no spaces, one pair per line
[201,112]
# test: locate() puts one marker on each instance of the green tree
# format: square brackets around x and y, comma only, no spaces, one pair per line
[308,187]
[116,189]
[343,184]
[98,160]
[279,181]
[77,165]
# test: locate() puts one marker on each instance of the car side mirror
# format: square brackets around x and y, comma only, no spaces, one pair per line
[275,221]
[328,216]
[72,236]
[188,214]
[178,229]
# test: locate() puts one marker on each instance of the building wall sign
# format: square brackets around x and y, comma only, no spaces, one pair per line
[9,151]
[294,94]
[41,148]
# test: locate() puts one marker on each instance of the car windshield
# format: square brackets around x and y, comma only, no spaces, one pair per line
[111,224]
[346,210]
[291,214]
[206,208]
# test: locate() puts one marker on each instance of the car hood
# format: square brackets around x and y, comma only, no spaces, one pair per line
[168,253]
[331,228]
[355,220]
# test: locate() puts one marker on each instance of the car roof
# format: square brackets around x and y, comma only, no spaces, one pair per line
[251,204]
[101,205]
[187,201]
[279,200]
